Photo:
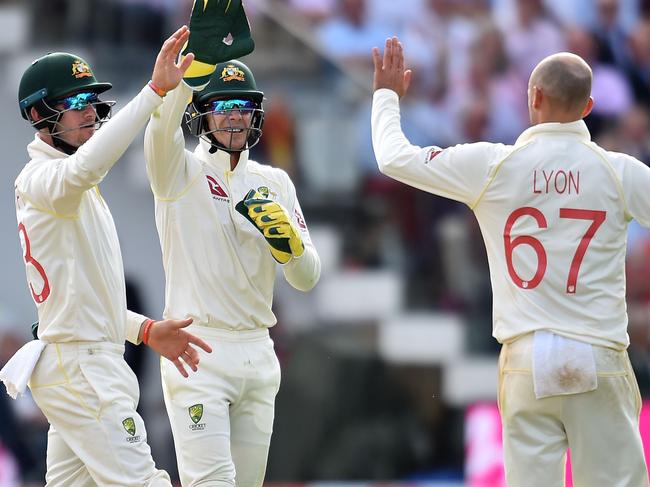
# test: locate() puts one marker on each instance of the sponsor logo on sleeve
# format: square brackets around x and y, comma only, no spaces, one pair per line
[300,219]
[433,152]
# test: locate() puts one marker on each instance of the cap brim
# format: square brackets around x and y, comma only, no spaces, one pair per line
[94,87]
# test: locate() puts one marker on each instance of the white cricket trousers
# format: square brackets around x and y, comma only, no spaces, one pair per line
[89,394]
[600,427]
[222,415]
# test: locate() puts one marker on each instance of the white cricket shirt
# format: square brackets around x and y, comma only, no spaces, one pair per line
[70,246]
[553,210]
[218,266]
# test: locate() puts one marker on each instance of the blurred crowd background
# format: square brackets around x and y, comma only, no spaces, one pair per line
[383,359]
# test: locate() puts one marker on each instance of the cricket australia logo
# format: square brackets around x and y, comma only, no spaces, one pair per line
[196,413]
[265,191]
[81,69]
[232,73]
[129,426]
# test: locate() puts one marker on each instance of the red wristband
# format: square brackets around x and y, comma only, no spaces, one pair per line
[159,91]
[145,331]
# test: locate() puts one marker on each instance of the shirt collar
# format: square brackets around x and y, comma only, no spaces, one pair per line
[220,159]
[576,129]
[39,149]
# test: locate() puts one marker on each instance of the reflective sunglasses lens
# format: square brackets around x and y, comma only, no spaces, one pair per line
[223,105]
[79,101]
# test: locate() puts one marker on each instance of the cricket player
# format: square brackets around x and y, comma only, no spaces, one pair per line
[225,224]
[553,210]
[75,273]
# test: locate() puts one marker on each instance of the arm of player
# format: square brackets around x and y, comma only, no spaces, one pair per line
[168,168]
[302,272]
[134,323]
[635,180]
[460,172]
[62,184]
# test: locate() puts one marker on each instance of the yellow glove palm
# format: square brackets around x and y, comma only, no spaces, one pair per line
[273,221]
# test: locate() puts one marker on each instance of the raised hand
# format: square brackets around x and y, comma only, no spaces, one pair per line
[168,338]
[389,71]
[167,73]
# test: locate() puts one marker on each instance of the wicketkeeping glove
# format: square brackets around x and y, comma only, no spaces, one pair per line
[274,222]
[219,31]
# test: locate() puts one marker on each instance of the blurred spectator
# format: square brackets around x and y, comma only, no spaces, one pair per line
[610,88]
[314,10]
[633,134]
[630,134]
[611,35]
[278,143]
[490,103]
[640,69]
[348,36]
[524,35]
[427,38]
[395,16]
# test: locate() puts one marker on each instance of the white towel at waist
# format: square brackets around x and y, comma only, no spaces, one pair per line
[16,373]
[562,365]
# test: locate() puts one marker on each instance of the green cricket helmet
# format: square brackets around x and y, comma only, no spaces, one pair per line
[53,77]
[231,87]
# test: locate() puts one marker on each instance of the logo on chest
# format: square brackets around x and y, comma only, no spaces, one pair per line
[216,189]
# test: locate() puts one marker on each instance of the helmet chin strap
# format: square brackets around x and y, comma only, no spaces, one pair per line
[57,141]
[63,146]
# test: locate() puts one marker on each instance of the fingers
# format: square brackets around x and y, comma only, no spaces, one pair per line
[184,29]
[180,367]
[189,359]
[174,43]
[199,343]
[281,230]
[408,75]
[398,55]
[185,63]
[376,59]
[272,218]
[182,323]
[388,53]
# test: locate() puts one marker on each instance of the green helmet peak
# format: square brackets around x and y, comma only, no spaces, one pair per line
[53,76]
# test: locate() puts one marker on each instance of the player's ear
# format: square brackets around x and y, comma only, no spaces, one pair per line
[588,107]
[538,97]
[34,114]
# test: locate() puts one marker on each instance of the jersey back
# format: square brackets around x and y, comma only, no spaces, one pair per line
[554,221]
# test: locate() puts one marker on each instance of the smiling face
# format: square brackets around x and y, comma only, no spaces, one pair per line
[229,122]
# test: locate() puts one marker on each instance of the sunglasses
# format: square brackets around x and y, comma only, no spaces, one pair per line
[224,105]
[78,101]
